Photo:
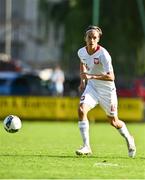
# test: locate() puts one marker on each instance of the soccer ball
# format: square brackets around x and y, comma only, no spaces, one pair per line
[12,123]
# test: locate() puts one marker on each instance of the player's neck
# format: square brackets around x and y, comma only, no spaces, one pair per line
[92,50]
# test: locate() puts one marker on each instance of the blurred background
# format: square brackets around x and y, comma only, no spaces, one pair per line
[39,40]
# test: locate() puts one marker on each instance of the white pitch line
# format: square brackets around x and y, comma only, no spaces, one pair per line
[105,164]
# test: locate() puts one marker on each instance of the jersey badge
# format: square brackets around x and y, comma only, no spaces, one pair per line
[96,60]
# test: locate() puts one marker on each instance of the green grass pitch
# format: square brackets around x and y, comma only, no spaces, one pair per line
[46,150]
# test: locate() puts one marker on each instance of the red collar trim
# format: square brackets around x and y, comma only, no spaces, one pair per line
[97,49]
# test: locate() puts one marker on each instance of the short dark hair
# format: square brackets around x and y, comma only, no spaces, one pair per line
[92,27]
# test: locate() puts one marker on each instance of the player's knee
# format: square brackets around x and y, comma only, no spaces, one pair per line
[81,112]
[114,122]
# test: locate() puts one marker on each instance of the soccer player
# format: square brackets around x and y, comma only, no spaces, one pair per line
[97,83]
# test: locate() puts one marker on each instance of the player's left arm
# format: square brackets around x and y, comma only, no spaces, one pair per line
[109,76]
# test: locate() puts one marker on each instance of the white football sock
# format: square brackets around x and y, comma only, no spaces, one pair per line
[124,131]
[84,129]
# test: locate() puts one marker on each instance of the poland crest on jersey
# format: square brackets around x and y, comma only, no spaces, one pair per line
[96,60]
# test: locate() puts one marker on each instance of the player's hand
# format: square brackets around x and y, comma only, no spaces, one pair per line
[86,76]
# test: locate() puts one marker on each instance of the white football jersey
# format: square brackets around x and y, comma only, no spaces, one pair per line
[98,63]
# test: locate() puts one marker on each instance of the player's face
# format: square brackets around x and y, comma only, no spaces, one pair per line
[92,38]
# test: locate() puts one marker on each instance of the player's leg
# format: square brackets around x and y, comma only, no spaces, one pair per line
[121,127]
[87,102]
[84,129]
[111,111]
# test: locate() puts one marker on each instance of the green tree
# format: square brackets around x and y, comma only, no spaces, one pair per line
[123,35]
[122,32]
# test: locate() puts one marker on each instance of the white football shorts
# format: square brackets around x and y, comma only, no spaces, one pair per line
[107,99]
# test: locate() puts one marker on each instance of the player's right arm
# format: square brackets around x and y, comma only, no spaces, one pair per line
[82,80]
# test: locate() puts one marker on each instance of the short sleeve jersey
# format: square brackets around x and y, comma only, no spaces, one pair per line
[98,63]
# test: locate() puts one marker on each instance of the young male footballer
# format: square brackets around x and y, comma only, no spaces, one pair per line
[97,83]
